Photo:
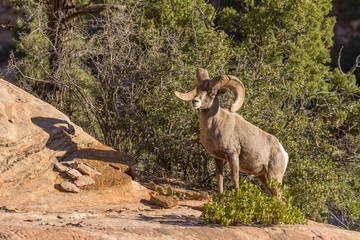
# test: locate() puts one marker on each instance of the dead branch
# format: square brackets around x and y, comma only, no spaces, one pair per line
[356,65]
[91,9]
[339,58]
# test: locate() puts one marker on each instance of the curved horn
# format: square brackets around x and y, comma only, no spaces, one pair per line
[235,85]
[186,96]
[201,76]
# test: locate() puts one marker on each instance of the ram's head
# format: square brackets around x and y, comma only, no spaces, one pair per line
[205,90]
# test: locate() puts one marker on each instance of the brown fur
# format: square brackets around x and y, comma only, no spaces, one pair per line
[229,137]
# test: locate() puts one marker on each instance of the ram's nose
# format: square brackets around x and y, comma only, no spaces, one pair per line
[195,101]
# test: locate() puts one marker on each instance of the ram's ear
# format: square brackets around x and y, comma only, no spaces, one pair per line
[222,91]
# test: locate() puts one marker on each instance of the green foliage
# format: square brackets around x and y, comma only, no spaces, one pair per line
[119,69]
[292,94]
[228,19]
[350,51]
[249,205]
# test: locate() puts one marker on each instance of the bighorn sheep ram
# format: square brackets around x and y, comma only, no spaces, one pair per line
[229,137]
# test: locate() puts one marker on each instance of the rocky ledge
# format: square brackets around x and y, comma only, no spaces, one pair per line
[44,154]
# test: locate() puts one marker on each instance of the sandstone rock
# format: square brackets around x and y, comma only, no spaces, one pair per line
[87,170]
[61,168]
[69,187]
[34,136]
[84,180]
[73,173]
[163,201]
[71,164]
[136,185]
[174,224]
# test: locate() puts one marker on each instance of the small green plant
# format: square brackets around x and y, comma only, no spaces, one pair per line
[249,205]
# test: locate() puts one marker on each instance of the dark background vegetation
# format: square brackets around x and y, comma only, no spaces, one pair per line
[112,67]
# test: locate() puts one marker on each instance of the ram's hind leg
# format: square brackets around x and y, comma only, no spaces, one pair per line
[219,166]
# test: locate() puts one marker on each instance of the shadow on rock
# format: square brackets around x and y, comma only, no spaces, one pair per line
[61,138]
[173,219]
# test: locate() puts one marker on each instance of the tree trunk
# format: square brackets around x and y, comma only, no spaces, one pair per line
[61,21]
[58,29]
[57,32]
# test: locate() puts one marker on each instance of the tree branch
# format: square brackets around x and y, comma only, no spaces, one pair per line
[204,17]
[339,58]
[356,65]
[242,6]
[91,9]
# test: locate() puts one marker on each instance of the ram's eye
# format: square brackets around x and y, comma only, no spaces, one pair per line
[212,95]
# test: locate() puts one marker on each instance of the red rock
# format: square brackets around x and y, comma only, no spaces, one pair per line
[73,173]
[87,170]
[71,164]
[60,167]
[69,187]
[163,201]
[34,136]
[84,180]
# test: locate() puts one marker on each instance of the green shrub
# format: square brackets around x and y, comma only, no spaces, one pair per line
[249,205]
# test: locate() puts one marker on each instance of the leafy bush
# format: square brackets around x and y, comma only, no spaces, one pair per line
[249,205]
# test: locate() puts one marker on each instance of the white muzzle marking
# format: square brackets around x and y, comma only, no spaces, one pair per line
[195,103]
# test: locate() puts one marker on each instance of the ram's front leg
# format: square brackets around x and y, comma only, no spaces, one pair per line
[234,168]
[219,167]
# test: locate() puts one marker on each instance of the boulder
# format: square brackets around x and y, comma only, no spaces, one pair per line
[69,187]
[84,180]
[35,137]
[87,170]
[73,173]
[163,201]
[61,168]
[71,164]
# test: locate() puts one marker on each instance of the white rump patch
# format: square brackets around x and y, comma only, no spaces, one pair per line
[286,156]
